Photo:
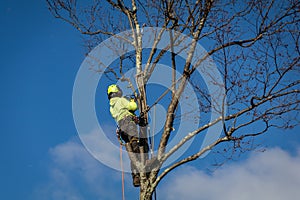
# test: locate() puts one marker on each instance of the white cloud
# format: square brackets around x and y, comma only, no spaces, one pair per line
[75,175]
[273,174]
[104,150]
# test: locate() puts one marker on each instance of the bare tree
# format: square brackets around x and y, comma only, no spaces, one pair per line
[255,44]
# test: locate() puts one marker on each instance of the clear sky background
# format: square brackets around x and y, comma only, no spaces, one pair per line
[42,156]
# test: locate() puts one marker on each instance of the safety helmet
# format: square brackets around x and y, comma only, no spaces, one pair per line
[114,91]
[112,88]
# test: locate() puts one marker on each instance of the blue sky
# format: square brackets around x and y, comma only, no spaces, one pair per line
[42,156]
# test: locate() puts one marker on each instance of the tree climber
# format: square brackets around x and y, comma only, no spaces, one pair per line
[122,110]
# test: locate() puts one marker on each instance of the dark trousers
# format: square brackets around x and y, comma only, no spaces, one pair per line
[129,134]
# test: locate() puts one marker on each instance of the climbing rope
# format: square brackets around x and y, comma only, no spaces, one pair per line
[122,169]
[150,134]
[151,137]
[161,96]
[122,143]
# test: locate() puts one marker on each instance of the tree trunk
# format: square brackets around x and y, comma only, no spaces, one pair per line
[146,190]
[145,194]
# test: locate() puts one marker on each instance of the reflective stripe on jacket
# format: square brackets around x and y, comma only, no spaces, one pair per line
[120,107]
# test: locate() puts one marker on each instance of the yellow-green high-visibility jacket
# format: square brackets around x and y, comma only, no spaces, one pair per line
[120,107]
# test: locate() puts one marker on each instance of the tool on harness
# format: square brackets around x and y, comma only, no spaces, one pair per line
[139,120]
[118,133]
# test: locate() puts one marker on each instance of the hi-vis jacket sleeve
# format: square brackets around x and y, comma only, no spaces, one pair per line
[132,106]
[121,107]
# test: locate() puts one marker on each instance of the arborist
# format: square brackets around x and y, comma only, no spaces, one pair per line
[123,111]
